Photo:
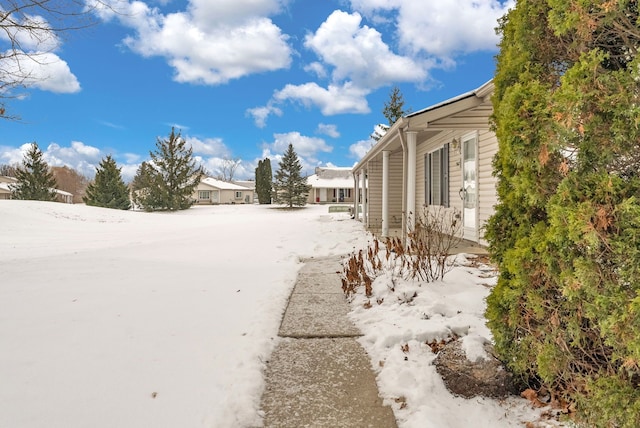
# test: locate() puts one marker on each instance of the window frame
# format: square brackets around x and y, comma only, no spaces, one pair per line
[441,156]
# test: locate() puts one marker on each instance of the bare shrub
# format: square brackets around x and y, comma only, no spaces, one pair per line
[424,255]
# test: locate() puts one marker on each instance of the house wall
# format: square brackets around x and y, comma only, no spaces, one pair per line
[228,196]
[487,195]
[374,199]
[455,173]
[225,196]
[326,195]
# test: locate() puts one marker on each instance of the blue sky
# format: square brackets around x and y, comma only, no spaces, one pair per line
[241,79]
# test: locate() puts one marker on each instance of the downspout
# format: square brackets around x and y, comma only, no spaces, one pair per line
[385,193]
[356,199]
[404,184]
[363,178]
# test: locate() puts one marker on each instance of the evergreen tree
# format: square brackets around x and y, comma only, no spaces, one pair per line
[264,181]
[290,187]
[168,181]
[35,180]
[392,111]
[565,313]
[394,107]
[107,189]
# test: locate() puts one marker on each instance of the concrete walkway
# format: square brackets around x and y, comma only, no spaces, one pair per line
[319,375]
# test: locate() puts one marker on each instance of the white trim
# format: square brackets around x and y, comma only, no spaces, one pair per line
[470,233]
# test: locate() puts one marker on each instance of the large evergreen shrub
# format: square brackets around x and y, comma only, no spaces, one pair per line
[566,233]
[290,187]
[169,179]
[264,181]
[108,189]
[35,180]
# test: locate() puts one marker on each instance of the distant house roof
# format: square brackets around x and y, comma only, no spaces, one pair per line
[222,185]
[331,178]
[249,184]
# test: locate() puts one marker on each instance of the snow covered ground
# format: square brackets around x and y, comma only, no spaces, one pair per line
[129,319]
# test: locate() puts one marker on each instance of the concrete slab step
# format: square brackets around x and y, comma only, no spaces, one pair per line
[317,315]
[322,383]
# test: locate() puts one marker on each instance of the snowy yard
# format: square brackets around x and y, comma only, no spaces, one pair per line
[129,319]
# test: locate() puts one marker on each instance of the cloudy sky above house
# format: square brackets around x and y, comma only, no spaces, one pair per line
[241,79]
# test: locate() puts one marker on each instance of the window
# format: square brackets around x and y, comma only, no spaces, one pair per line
[204,194]
[238,195]
[436,177]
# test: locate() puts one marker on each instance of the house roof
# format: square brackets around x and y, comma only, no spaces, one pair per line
[331,178]
[222,185]
[331,183]
[249,184]
[466,111]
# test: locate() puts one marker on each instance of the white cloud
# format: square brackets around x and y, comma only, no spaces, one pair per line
[79,156]
[441,28]
[358,53]
[43,70]
[307,149]
[335,99]
[360,148]
[211,42]
[316,68]
[208,146]
[359,62]
[30,32]
[328,129]
[261,114]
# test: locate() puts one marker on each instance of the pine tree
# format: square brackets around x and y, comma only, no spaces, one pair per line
[35,180]
[565,313]
[108,189]
[168,181]
[392,111]
[394,107]
[264,181]
[290,187]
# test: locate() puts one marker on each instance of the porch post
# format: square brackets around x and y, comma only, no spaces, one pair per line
[385,193]
[411,180]
[363,181]
[356,197]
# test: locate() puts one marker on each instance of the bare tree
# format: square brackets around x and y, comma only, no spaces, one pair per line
[29,31]
[71,181]
[8,170]
[227,169]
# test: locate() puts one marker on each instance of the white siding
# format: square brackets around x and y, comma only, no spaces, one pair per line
[487,197]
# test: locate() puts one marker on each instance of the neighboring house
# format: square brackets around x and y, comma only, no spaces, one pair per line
[437,157]
[331,185]
[7,182]
[5,189]
[62,196]
[249,184]
[213,191]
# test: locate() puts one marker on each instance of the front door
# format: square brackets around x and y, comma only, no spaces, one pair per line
[469,191]
[215,196]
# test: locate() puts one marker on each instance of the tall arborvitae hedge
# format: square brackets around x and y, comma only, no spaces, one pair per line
[264,181]
[108,189]
[565,313]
